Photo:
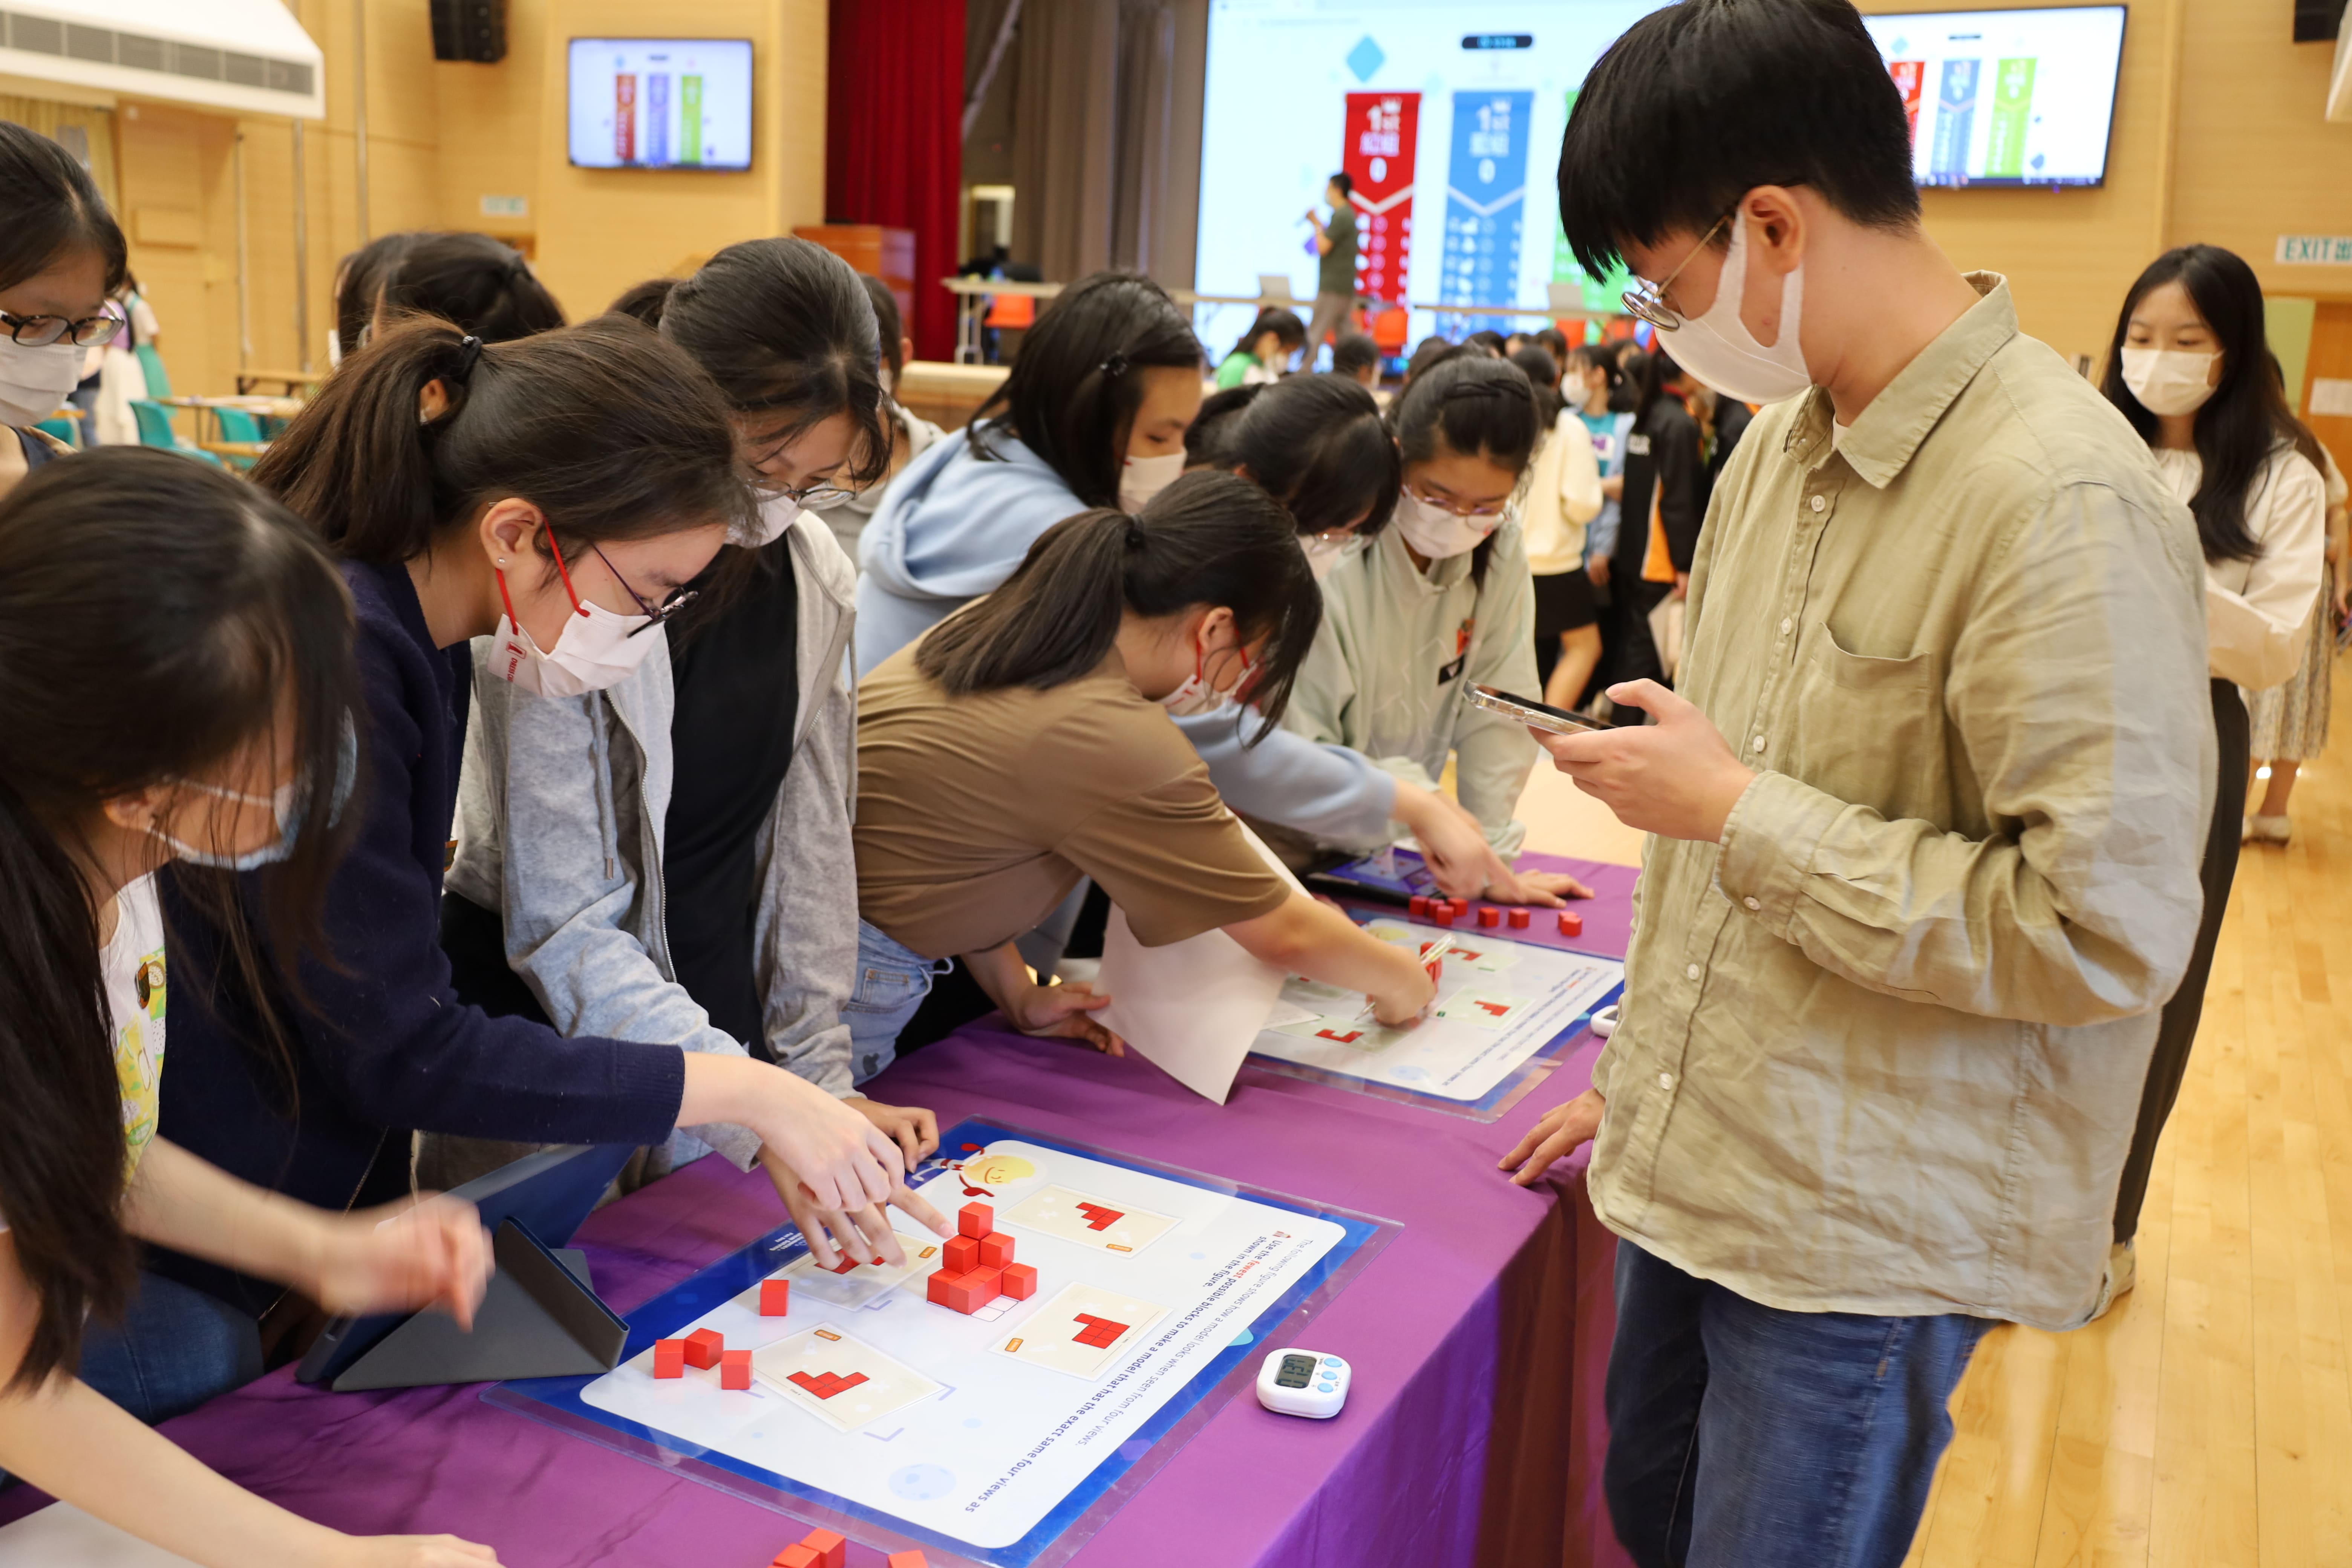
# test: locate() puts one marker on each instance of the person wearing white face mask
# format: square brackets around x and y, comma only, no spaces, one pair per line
[1093,414]
[61,257]
[661,892]
[2191,369]
[1441,601]
[1925,810]
[1024,743]
[551,496]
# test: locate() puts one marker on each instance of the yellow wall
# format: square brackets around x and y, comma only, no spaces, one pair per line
[2219,137]
[441,136]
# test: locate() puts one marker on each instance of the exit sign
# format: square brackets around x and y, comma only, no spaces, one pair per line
[506,206]
[2316,250]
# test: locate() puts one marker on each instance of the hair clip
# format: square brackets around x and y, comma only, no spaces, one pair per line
[1116,364]
[1135,535]
[470,350]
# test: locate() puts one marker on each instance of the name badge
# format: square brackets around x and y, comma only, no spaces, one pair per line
[1453,671]
[1637,446]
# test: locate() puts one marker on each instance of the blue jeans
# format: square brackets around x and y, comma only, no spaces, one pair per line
[174,1349]
[1742,1435]
[892,981]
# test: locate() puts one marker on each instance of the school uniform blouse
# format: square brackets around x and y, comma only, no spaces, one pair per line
[384,1046]
[2256,610]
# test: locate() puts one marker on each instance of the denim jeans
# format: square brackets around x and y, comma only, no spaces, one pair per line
[892,981]
[1742,1435]
[174,1349]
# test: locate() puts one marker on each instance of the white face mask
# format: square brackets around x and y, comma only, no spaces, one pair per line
[2169,381]
[1141,479]
[592,651]
[1197,696]
[1719,350]
[288,804]
[1436,533]
[1325,551]
[35,381]
[777,514]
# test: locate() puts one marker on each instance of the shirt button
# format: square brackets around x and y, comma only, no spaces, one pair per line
[1757,744]
[1752,903]
[1690,972]
[1786,621]
[1821,505]
[1665,1080]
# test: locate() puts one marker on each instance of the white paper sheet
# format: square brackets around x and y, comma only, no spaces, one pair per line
[1191,1008]
[62,1536]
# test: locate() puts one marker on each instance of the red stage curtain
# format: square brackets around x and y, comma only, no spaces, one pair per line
[894,139]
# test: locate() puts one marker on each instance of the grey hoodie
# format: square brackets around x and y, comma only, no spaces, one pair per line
[560,817]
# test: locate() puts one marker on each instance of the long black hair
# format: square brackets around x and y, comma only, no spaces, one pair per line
[611,432]
[785,327]
[156,618]
[481,284]
[1282,322]
[53,208]
[1210,539]
[1073,393]
[2246,419]
[1317,443]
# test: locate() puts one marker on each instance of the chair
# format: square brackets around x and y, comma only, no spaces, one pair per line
[241,440]
[159,381]
[155,430]
[64,429]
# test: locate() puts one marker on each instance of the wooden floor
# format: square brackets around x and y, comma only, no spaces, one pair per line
[2207,1420]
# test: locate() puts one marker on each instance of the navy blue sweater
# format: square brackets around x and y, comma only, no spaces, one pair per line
[384,1046]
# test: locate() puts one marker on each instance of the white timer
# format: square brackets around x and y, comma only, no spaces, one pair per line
[1303,1382]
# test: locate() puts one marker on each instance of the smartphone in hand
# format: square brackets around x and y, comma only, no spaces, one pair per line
[1535,715]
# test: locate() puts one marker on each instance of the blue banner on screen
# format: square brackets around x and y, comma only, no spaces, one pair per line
[660,103]
[2006,98]
[1485,201]
[1456,98]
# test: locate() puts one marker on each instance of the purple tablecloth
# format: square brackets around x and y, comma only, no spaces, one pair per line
[1472,1432]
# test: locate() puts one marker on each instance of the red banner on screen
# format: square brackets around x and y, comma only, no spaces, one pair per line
[1908,75]
[1381,141]
[624,116]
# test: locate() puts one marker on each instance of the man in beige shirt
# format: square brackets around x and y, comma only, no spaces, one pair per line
[1926,816]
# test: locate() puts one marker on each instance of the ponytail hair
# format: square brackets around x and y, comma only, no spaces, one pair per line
[604,427]
[483,286]
[1075,390]
[1316,443]
[1210,539]
[158,621]
[360,278]
[643,303]
[1282,322]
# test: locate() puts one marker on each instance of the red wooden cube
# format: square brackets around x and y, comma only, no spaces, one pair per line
[669,1358]
[995,1249]
[960,1255]
[975,1220]
[1020,1280]
[1444,917]
[968,1293]
[735,1369]
[1518,920]
[935,1287]
[907,1560]
[703,1347]
[989,1282]
[800,1556]
[1571,923]
[1418,904]
[775,1297]
[831,1550]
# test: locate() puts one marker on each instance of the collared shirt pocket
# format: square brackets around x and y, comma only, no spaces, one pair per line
[1870,729]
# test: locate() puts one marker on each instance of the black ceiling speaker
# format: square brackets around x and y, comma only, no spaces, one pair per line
[2315,21]
[476,30]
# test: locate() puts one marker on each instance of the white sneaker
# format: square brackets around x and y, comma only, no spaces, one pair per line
[2123,1273]
[2268,829]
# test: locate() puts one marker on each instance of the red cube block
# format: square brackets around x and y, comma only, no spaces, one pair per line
[960,1255]
[1020,1280]
[988,1282]
[935,1289]
[1571,923]
[1418,904]
[907,1560]
[735,1369]
[831,1550]
[703,1347]
[669,1358]
[975,1220]
[775,1297]
[1518,920]
[1443,914]
[1489,917]
[995,1249]
[968,1293]
[800,1556]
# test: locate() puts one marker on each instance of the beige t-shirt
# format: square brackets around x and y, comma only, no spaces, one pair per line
[977,814]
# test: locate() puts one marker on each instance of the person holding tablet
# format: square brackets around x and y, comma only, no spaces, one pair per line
[1025,742]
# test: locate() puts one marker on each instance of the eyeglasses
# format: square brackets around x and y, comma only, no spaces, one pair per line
[818,494]
[1648,302]
[1492,509]
[38,331]
[655,614]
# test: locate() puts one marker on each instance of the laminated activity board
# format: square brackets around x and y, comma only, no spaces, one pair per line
[1505,1012]
[996,1396]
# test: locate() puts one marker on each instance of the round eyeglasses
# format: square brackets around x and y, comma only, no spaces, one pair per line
[1646,301]
[40,332]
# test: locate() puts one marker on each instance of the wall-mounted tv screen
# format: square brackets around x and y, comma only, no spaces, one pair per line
[661,103]
[2006,98]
